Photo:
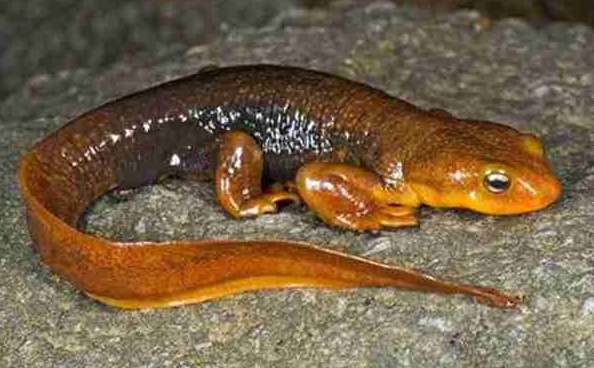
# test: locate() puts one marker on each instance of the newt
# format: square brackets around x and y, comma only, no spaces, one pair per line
[357,157]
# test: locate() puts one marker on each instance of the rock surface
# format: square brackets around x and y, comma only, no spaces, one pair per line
[540,80]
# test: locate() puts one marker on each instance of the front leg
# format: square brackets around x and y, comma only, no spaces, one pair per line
[238,178]
[351,197]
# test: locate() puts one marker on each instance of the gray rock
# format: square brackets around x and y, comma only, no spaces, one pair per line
[540,80]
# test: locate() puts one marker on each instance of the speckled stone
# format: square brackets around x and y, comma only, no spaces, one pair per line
[540,80]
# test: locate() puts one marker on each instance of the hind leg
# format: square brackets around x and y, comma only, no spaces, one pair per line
[351,197]
[238,178]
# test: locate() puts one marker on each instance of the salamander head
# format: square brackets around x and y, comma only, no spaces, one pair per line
[482,166]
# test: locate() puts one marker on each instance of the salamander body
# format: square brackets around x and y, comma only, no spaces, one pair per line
[357,157]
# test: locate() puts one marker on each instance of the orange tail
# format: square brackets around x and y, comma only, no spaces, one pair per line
[151,275]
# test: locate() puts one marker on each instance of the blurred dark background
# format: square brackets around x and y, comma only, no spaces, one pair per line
[47,36]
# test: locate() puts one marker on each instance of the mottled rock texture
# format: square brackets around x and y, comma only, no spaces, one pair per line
[536,79]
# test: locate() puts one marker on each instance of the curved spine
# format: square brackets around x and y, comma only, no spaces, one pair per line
[151,275]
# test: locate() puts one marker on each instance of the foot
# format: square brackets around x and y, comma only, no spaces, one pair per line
[350,197]
[266,203]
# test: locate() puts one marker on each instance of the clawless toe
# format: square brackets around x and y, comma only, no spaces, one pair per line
[266,203]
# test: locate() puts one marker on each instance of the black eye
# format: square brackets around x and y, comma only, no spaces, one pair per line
[497,182]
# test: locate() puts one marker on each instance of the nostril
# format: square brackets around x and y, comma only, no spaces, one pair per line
[551,191]
[555,190]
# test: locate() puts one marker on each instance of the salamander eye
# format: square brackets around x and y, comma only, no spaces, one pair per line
[497,182]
